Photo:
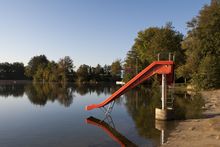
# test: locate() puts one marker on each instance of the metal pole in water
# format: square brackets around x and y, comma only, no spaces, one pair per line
[162,137]
[164,85]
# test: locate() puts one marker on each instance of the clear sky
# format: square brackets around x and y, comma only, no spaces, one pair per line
[89,31]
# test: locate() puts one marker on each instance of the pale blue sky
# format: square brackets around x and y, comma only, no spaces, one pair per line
[89,31]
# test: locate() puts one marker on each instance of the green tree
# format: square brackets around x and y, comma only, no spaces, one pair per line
[132,65]
[18,71]
[116,69]
[156,40]
[208,73]
[151,42]
[42,70]
[12,71]
[53,73]
[83,73]
[66,66]
[34,63]
[107,69]
[98,70]
[99,73]
[202,46]
[39,75]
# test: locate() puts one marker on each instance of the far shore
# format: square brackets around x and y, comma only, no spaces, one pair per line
[203,132]
[31,81]
[14,81]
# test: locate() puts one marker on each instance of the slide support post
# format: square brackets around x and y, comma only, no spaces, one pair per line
[164,92]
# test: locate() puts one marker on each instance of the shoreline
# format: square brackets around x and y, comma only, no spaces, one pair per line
[200,132]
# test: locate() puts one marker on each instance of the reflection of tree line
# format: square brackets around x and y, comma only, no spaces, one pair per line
[105,89]
[15,90]
[188,106]
[142,101]
[39,94]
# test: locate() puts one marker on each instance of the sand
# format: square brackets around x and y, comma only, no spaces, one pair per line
[204,132]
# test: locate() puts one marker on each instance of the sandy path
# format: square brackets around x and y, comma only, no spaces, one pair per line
[203,132]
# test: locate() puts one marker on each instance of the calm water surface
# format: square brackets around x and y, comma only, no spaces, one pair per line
[45,115]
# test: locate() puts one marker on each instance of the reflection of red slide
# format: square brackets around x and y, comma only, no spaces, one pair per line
[123,141]
[157,67]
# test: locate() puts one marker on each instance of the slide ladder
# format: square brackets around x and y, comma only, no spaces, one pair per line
[156,67]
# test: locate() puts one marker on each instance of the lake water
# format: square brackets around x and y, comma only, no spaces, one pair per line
[53,115]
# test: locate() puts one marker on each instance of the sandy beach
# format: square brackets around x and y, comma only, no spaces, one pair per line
[204,132]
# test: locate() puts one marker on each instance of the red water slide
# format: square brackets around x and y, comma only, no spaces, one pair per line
[157,67]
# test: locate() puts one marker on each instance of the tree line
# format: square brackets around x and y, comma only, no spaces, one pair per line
[40,69]
[14,71]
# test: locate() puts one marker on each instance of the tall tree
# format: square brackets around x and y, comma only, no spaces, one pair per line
[156,40]
[83,73]
[132,64]
[116,68]
[34,63]
[98,70]
[149,43]
[202,46]
[66,69]
[107,69]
